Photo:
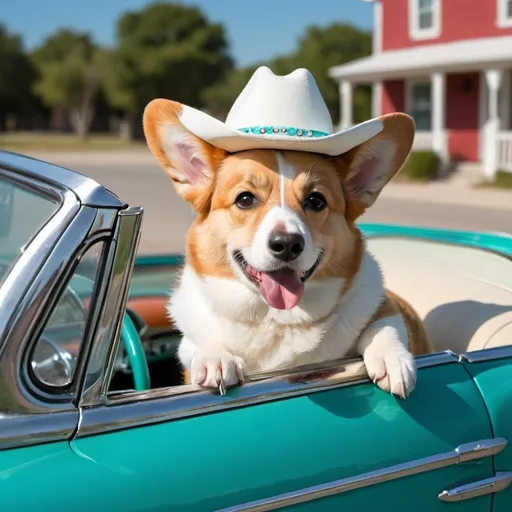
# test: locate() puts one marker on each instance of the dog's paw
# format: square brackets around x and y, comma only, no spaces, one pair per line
[211,367]
[394,371]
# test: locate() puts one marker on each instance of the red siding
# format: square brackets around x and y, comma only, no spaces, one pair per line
[462,102]
[393,96]
[460,19]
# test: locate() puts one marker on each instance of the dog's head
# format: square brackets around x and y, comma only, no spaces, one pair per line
[275,220]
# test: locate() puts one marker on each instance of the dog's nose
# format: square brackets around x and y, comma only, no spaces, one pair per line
[286,246]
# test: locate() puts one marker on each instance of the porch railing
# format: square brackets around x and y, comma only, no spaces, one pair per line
[504,151]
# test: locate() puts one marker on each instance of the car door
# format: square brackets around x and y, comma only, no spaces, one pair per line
[308,441]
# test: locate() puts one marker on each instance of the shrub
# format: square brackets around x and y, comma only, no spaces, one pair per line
[502,179]
[421,166]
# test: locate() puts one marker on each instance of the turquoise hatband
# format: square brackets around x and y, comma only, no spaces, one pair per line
[283,130]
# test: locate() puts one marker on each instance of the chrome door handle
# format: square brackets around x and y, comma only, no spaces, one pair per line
[496,483]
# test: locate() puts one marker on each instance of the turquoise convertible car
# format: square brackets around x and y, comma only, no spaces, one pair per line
[94,417]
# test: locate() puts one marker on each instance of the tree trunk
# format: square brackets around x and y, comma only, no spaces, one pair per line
[126,128]
[81,118]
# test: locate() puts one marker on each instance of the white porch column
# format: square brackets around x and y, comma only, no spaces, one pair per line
[493,79]
[376,99]
[346,104]
[438,87]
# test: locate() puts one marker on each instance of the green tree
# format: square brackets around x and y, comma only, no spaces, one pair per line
[69,68]
[318,50]
[164,50]
[16,77]
[321,48]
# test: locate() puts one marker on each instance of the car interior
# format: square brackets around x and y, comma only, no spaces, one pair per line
[463,294]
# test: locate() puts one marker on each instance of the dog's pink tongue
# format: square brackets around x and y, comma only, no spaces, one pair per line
[281,289]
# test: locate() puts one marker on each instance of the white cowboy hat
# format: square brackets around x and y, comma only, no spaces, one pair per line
[278,112]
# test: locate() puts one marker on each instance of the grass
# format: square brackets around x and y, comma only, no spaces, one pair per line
[48,141]
[502,179]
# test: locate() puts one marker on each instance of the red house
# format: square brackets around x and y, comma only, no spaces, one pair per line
[448,63]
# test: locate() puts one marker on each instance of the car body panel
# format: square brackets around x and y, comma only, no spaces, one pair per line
[218,460]
[494,380]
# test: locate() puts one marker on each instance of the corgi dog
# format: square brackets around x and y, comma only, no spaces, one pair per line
[277,273]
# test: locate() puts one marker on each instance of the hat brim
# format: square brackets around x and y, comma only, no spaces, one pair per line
[221,136]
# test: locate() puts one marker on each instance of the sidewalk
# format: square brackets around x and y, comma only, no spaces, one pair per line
[455,191]
[451,193]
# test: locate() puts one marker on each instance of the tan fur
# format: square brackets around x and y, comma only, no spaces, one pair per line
[393,304]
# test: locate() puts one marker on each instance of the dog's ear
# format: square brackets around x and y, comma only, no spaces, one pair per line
[189,161]
[367,168]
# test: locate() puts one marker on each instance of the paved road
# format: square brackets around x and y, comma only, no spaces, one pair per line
[167,217]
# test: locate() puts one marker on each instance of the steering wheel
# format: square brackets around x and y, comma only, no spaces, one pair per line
[137,358]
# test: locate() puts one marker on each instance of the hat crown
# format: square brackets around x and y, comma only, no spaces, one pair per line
[292,100]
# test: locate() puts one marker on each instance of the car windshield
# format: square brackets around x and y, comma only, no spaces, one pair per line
[23,212]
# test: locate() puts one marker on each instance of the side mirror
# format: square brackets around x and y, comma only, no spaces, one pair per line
[6,208]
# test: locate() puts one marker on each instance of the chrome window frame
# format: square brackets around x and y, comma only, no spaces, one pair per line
[106,412]
[87,213]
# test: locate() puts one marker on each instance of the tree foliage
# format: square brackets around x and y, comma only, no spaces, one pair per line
[165,50]
[16,75]
[69,74]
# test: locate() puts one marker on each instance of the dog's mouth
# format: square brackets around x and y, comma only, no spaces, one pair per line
[282,288]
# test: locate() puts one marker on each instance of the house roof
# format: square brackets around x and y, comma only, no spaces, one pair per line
[471,54]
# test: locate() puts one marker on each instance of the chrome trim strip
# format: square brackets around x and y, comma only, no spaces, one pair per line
[489,448]
[491,485]
[125,410]
[30,429]
[88,191]
[487,354]
[106,342]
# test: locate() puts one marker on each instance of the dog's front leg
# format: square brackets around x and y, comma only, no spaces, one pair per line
[211,363]
[383,345]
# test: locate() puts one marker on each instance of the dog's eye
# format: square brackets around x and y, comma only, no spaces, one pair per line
[245,200]
[315,202]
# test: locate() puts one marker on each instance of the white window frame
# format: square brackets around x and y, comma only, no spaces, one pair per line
[417,33]
[503,20]
[410,83]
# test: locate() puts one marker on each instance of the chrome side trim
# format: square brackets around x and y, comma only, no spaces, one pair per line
[496,483]
[30,429]
[88,191]
[124,410]
[487,354]
[106,342]
[477,450]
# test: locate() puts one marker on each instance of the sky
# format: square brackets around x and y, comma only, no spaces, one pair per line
[257,30]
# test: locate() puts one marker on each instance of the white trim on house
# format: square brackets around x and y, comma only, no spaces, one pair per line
[377,26]
[502,9]
[416,31]
[457,56]
[376,99]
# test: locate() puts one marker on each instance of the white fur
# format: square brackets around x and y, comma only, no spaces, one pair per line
[287,173]
[258,254]
[234,319]
[389,364]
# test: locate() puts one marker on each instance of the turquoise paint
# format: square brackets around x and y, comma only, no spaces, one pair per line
[220,459]
[136,355]
[494,380]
